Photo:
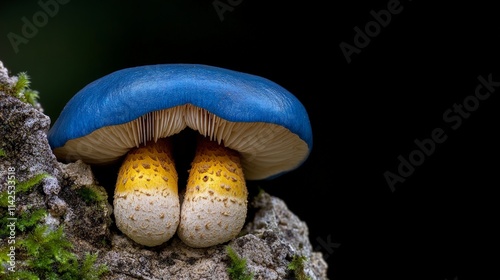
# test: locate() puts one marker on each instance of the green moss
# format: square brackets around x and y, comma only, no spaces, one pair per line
[22,187]
[91,194]
[88,269]
[297,266]
[47,256]
[237,268]
[21,89]
[30,219]
[2,153]
[41,253]
[27,220]
[47,252]
[23,223]
[25,275]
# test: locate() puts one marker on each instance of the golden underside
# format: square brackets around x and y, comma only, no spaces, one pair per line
[216,170]
[148,169]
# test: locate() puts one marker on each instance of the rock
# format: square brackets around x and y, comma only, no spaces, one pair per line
[24,141]
[267,249]
[72,197]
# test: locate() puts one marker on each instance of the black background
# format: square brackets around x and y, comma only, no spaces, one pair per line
[437,224]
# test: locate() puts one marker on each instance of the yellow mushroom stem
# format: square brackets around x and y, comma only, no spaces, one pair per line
[214,207]
[146,200]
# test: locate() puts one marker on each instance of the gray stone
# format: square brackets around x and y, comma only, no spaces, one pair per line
[78,173]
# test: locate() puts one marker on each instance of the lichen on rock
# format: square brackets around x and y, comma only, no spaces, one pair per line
[71,198]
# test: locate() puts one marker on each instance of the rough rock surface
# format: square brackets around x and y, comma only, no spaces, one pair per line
[269,241]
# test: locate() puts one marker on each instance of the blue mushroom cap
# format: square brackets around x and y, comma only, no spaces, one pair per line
[130,93]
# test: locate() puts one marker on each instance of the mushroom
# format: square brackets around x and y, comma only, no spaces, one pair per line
[249,128]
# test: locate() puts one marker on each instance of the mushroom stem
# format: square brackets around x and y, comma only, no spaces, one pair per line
[146,200]
[214,207]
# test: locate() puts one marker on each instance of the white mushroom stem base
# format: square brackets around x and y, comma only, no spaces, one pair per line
[215,203]
[146,200]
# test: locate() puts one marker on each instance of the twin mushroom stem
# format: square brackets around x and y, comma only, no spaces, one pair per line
[147,205]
